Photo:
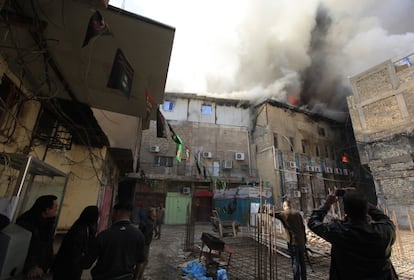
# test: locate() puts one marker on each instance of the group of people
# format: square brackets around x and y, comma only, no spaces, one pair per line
[361,243]
[119,252]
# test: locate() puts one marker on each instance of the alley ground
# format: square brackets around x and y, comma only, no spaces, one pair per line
[167,254]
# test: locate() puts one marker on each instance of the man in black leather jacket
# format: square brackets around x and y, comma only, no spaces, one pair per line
[361,244]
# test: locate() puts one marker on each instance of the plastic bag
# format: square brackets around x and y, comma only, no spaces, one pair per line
[195,269]
[222,274]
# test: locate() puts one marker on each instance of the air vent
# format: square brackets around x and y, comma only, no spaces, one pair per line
[239,156]
[186,190]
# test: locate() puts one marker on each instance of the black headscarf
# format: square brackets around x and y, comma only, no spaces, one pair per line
[89,216]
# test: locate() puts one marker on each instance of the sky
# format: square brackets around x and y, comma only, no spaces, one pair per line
[258,49]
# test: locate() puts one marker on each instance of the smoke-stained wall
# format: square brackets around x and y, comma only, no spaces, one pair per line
[298,154]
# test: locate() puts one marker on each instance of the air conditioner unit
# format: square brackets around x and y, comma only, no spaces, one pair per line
[186,190]
[296,193]
[206,154]
[239,156]
[328,169]
[345,172]
[316,168]
[309,168]
[292,164]
[155,149]
[338,171]
[228,164]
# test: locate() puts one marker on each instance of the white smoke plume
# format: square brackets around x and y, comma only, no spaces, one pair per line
[258,49]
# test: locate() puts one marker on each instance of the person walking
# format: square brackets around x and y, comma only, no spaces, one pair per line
[296,238]
[40,221]
[361,243]
[119,249]
[74,253]
[159,221]
[147,228]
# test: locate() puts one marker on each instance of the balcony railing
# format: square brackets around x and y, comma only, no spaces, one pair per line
[191,172]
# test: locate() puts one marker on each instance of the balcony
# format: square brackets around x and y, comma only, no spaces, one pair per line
[190,173]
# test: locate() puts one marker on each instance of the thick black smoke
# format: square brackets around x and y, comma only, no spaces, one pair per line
[320,84]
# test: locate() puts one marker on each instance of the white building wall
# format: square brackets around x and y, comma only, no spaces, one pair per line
[190,110]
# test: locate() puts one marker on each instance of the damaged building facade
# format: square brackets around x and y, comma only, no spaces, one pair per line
[299,154]
[382,113]
[231,143]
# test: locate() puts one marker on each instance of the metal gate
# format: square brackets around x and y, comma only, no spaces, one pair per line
[176,208]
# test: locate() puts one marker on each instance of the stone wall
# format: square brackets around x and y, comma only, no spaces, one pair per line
[382,113]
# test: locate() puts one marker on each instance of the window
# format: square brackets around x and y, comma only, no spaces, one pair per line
[321,131]
[292,143]
[206,109]
[304,146]
[51,132]
[275,140]
[317,151]
[168,106]
[163,161]
[326,151]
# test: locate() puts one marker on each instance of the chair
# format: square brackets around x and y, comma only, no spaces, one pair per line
[224,227]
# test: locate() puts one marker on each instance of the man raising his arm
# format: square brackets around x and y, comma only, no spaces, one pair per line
[361,243]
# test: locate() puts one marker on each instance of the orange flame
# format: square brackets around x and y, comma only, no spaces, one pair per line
[292,100]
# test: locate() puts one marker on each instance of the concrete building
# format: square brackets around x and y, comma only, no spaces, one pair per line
[216,154]
[382,113]
[56,64]
[294,152]
[299,154]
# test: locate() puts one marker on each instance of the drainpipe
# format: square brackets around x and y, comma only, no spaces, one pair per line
[282,192]
[248,152]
